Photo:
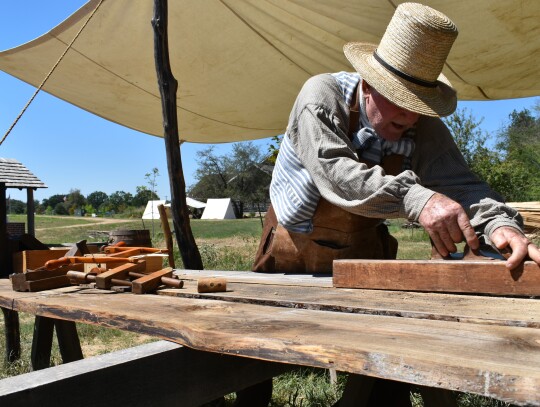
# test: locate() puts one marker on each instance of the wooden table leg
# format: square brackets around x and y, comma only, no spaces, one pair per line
[433,397]
[13,336]
[42,342]
[357,391]
[68,340]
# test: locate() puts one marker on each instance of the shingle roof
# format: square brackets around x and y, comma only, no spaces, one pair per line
[16,175]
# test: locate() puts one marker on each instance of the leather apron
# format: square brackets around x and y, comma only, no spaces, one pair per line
[336,234]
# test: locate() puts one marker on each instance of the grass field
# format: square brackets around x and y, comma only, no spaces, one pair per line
[224,245]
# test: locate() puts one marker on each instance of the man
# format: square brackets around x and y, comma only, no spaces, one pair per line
[367,146]
[393,159]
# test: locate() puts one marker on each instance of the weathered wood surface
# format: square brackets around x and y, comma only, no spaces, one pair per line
[459,276]
[296,280]
[180,377]
[437,306]
[492,360]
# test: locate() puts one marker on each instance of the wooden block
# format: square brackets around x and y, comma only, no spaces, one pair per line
[150,282]
[460,276]
[211,285]
[20,284]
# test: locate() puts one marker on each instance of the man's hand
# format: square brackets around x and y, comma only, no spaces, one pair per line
[521,246]
[447,224]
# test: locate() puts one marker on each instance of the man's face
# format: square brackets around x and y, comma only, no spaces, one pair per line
[388,120]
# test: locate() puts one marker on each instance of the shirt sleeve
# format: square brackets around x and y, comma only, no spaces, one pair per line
[441,167]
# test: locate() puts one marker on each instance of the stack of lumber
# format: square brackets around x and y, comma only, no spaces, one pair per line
[530,212]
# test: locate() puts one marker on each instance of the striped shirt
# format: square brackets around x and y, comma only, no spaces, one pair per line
[292,191]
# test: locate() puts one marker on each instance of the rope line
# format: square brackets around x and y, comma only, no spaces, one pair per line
[50,73]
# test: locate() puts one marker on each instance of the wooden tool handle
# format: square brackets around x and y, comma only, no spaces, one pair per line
[211,285]
[54,264]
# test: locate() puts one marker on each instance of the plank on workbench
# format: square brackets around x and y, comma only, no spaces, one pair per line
[298,280]
[156,374]
[446,307]
[459,276]
[494,361]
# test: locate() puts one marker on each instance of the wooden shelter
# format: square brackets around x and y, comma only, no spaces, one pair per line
[14,174]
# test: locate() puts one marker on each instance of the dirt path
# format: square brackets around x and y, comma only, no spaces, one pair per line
[92,222]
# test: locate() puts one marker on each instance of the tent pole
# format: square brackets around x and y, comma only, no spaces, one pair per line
[167,87]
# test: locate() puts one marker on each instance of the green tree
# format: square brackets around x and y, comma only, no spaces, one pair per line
[241,175]
[152,181]
[509,169]
[53,200]
[15,206]
[118,201]
[75,201]
[142,196]
[61,209]
[468,136]
[519,142]
[97,198]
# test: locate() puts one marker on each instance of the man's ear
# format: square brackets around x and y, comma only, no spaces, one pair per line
[366,88]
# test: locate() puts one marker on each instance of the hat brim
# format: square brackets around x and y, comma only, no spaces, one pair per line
[438,101]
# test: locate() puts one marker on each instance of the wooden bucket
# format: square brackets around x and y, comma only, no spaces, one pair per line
[134,237]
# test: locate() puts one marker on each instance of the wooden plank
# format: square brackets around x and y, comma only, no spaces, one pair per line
[303,280]
[494,361]
[180,377]
[437,306]
[486,277]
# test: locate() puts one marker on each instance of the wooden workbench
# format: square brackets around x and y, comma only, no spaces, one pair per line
[478,344]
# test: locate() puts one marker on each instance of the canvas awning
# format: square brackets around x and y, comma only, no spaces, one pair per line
[240,63]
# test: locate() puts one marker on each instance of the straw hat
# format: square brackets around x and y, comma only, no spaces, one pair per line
[406,66]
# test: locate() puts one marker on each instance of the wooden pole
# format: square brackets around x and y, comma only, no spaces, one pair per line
[4,241]
[11,318]
[30,209]
[167,87]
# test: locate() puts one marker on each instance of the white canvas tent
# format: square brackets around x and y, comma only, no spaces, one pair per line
[240,63]
[193,203]
[218,209]
[151,211]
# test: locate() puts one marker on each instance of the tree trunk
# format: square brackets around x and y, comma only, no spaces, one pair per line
[167,87]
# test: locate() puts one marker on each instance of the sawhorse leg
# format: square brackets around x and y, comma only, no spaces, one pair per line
[358,391]
[12,332]
[68,341]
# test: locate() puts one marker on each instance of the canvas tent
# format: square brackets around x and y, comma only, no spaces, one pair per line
[218,209]
[151,211]
[194,203]
[241,63]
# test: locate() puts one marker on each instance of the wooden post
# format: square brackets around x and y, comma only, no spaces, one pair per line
[11,318]
[13,336]
[30,209]
[167,87]
[4,241]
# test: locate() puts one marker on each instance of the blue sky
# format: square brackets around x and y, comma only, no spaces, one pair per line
[69,148]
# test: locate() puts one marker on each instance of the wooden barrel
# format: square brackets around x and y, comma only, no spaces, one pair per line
[134,237]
